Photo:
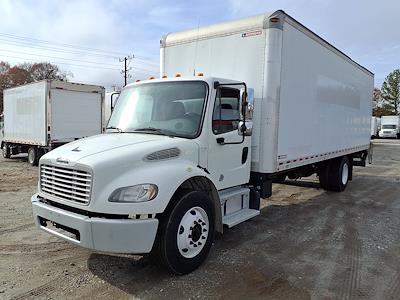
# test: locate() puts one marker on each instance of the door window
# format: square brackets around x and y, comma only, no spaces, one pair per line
[226,115]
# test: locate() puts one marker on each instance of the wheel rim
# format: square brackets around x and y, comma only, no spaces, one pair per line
[345,173]
[193,232]
[31,156]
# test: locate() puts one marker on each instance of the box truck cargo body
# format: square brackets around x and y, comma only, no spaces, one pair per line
[390,127]
[239,105]
[312,102]
[41,116]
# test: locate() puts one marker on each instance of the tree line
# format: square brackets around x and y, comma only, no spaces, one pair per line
[386,100]
[12,76]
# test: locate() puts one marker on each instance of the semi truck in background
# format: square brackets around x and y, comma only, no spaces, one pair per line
[44,115]
[191,153]
[390,127]
[375,127]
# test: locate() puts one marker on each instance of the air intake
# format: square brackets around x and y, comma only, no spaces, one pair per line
[163,154]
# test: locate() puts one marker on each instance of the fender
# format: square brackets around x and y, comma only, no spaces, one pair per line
[168,175]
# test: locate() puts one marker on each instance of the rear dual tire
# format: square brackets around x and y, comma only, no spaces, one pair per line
[334,175]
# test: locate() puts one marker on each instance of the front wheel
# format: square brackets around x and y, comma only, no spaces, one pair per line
[186,233]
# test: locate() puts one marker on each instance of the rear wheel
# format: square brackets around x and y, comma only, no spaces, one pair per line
[6,151]
[33,157]
[335,175]
[186,233]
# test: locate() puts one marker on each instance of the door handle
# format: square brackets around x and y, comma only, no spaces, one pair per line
[221,141]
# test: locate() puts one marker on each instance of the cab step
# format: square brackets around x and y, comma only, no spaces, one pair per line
[239,217]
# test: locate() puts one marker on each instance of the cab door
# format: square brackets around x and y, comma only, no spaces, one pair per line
[229,148]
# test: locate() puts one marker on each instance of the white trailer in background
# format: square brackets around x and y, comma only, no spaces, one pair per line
[390,127]
[185,155]
[41,116]
[375,127]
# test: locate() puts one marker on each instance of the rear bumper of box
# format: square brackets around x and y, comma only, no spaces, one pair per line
[110,235]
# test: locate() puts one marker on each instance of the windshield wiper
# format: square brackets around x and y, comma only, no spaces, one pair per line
[155,130]
[116,128]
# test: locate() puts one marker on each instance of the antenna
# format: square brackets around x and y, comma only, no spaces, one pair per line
[195,49]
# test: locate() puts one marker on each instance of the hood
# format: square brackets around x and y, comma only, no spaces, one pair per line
[87,147]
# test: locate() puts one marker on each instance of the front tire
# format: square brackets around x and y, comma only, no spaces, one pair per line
[186,233]
[6,151]
[33,157]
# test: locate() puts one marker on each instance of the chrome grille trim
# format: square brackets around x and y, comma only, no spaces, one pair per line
[70,184]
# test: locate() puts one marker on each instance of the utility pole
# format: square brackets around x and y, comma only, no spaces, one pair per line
[126,70]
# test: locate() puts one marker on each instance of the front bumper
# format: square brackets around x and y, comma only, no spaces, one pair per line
[387,135]
[110,235]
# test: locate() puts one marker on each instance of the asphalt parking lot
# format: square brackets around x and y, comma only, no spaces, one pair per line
[307,243]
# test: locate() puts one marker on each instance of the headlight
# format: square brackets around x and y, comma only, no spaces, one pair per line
[136,193]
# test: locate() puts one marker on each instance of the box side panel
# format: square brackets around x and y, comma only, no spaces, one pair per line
[75,115]
[325,103]
[25,114]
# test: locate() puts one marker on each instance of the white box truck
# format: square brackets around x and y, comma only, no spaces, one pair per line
[41,116]
[375,127]
[185,156]
[390,127]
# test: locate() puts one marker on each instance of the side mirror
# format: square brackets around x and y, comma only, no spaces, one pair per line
[247,128]
[116,94]
[250,104]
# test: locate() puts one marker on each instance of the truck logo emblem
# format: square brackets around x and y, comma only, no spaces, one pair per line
[62,160]
[76,149]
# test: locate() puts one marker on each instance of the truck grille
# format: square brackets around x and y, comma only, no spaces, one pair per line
[67,184]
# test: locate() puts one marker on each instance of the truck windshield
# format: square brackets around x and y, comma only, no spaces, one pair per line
[172,108]
[388,126]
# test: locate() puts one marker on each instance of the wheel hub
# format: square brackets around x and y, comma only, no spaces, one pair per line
[192,232]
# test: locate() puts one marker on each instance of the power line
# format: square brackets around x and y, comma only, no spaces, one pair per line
[30,45]
[33,47]
[12,36]
[78,60]
[68,64]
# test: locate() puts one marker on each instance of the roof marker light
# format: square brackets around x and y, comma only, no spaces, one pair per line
[200,74]
[164,76]
[138,80]
[178,75]
[151,78]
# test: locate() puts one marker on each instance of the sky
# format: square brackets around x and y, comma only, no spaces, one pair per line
[71,33]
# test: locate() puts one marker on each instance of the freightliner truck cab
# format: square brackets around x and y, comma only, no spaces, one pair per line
[171,169]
